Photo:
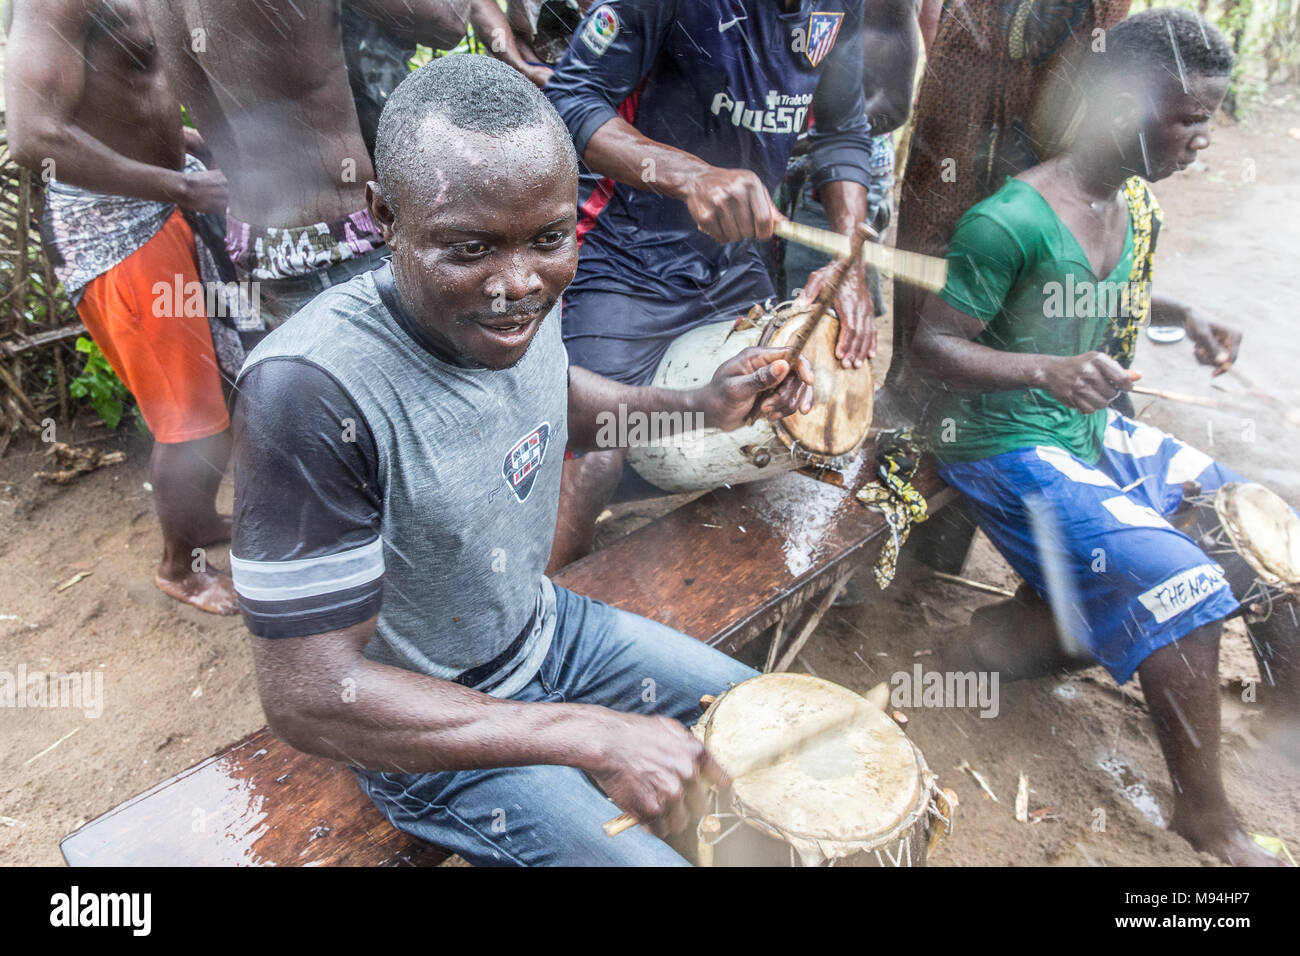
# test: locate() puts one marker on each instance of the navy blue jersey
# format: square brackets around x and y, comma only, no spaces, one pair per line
[731,81]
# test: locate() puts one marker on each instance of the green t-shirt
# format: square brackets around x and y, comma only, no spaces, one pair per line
[1015,266]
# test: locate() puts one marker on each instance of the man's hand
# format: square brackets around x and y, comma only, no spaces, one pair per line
[1087,382]
[1214,344]
[205,191]
[492,28]
[655,769]
[736,392]
[731,204]
[853,307]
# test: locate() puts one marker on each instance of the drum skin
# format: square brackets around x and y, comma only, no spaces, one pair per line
[819,775]
[1263,530]
[835,428]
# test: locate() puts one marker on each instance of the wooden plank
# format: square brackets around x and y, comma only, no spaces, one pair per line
[258,803]
[729,564]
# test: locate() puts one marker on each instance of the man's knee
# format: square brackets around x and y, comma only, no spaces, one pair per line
[595,472]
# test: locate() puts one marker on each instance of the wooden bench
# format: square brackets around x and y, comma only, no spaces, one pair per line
[755,561]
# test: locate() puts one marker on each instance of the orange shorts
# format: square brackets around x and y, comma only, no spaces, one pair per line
[166,360]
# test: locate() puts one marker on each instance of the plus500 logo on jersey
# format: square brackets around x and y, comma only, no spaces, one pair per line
[782,113]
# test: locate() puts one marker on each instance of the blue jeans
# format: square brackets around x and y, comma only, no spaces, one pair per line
[552,815]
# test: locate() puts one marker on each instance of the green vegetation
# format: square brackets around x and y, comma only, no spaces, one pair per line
[99,384]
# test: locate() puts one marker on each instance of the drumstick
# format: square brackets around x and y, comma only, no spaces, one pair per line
[800,339]
[929,272]
[1291,416]
[764,758]
[797,342]
[1289,411]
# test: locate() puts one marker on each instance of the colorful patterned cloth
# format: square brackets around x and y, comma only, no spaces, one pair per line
[898,454]
[1120,342]
[264,253]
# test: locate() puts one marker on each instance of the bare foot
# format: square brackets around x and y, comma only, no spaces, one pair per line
[1229,843]
[208,591]
[218,532]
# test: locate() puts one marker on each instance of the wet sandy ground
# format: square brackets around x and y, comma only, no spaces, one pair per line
[178,684]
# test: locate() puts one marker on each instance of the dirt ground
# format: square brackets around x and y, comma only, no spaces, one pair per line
[178,684]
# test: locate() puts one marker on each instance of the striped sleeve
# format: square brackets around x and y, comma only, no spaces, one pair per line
[307,555]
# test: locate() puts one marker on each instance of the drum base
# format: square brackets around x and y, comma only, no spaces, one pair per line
[746,846]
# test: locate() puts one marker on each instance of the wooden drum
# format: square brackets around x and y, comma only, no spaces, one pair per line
[829,435]
[820,777]
[1256,524]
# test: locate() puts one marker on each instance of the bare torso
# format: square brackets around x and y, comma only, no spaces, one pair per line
[266,83]
[128,104]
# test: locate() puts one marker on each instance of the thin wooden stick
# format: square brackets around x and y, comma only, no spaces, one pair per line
[1289,411]
[1290,415]
[794,348]
[974,585]
[929,272]
[1186,398]
[800,339]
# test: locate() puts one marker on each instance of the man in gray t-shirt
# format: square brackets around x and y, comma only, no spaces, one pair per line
[399,445]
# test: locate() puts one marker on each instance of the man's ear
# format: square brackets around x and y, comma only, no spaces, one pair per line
[380,211]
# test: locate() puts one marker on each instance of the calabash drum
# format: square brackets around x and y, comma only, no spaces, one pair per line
[819,777]
[829,435]
[1253,522]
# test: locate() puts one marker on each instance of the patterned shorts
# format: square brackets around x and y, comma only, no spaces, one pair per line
[264,253]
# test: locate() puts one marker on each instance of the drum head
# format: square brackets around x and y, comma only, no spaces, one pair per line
[1263,530]
[841,417]
[813,760]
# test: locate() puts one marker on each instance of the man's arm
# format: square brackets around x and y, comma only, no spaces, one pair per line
[587,89]
[840,157]
[944,349]
[403,722]
[43,89]
[890,44]
[441,24]
[754,382]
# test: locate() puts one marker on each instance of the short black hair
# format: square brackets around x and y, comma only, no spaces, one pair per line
[475,93]
[1164,41]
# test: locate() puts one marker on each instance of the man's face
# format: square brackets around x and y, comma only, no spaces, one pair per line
[483,242]
[1177,125]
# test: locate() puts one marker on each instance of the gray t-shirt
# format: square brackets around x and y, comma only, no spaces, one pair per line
[373,475]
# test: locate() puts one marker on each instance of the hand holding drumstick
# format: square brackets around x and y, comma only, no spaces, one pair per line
[825,296]
[657,771]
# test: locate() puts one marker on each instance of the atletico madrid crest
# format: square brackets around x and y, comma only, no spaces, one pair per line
[823,28]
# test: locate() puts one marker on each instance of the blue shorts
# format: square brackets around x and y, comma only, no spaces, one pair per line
[1094,540]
